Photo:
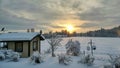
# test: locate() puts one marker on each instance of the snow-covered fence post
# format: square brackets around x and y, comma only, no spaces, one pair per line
[54,41]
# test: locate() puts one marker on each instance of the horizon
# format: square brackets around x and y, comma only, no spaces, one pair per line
[34,30]
[51,15]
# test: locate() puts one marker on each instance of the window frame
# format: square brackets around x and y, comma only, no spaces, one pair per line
[35,47]
[16,44]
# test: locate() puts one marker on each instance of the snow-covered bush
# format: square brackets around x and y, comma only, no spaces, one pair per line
[15,57]
[108,66]
[73,48]
[87,59]
[36,58]
[115,61]
[64,59]
[2,56]
[10,55]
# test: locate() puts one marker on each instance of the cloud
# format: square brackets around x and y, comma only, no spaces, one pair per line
[106,16]
[88,25]
[48,14]
[56,26]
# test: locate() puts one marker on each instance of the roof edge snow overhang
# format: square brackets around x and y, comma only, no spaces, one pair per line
[14,40]
[41,38]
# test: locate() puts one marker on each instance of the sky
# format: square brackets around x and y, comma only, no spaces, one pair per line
[55,15]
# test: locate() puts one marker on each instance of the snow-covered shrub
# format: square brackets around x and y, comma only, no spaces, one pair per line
[108,66]
[87,59]
[64,59]
[15,57]
[36,58]
[115,61]
[9,54]
[73,48]
[2,56]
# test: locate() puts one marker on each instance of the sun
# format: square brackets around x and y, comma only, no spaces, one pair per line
[70,28]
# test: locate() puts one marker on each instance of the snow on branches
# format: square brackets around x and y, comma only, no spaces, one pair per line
[54,41]
[15,57]
[115,60]
[73,48]
[64,59]
[87,59]
[2,56]
[10,55]
[36,58]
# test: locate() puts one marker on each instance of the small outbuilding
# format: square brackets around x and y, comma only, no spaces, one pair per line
[24,43]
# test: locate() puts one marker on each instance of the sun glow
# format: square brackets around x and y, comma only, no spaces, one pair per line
[71,25]
[70,28]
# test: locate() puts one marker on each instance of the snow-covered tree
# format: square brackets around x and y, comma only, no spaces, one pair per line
[54,41]
[73,47]
[36,58]
[64,59]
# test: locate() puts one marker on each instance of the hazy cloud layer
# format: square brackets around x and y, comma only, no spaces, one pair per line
[48,14]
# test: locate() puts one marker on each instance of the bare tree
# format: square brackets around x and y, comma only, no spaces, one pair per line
[54,41]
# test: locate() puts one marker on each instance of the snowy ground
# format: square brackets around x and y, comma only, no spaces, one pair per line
[104,46]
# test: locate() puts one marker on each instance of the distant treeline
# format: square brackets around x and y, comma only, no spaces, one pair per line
[114,32]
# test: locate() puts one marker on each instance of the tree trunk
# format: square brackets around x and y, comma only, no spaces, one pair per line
[53,55]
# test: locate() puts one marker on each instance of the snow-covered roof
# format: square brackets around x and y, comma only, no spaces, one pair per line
[19,36]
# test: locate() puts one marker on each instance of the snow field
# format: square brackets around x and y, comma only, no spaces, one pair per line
[104,46]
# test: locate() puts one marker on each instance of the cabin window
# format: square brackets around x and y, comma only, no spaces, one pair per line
[3,45]
[19,47]
[35,45]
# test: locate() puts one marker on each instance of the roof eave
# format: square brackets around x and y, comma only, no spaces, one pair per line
[42,37]
[14,40]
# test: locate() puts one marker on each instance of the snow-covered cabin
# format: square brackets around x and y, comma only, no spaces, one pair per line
[24,43]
